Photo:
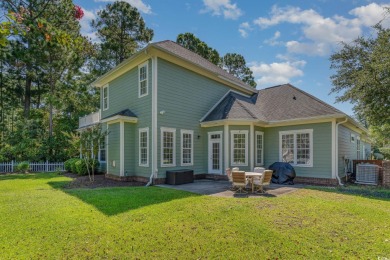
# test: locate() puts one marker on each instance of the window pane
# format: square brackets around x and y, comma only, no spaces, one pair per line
[143,82]
[303,148]
[239,148]
[187,148]
[259,149]
[143,144]
[288,148]
[167,148]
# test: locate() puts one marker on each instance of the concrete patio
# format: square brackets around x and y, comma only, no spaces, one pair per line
[221,189]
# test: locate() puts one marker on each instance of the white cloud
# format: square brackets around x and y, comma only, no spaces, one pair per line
[273,40]
[276,72]
[244,28]
[139,4]
[370,14]
[85,23]
[321,34]
[222,7]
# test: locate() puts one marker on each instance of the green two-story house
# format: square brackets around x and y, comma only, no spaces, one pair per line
[168,108]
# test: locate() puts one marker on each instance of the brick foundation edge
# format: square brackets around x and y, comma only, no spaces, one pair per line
[217,177]
[316,181]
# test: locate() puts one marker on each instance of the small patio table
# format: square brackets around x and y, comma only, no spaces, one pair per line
[251,175]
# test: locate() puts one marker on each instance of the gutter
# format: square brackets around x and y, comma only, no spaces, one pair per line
[337,150]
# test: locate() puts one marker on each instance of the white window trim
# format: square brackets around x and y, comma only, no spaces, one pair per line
[147,79]
[191,132]
[232,133]
[358,148]
[262,145]
[353,140]
[108,89]
[143,130]
[294,132]
[105,148]
[172,130]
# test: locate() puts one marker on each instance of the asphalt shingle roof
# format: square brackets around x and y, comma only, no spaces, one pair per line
[126,112]
[283,102]
[185,54]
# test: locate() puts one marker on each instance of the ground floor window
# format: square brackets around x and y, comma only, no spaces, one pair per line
[239,146]
[259,158]
[358,148]
[187,147]
[102,150]
[296,147]
[168,146]
[143,147]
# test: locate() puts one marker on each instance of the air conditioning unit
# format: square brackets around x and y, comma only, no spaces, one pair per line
[367,174]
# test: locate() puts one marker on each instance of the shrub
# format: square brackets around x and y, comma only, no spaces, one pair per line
[385,151]
[23,167]
[73,167]
[81,167]
[69,164]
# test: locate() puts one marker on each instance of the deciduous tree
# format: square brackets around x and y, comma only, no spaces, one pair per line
[235,64]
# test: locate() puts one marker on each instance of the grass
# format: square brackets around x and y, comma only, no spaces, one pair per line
[40,219]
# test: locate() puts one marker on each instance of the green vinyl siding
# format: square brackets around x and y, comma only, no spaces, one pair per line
[322,149]
[113,147]
[348,149]
[123,94]
[185,97]
[129,144]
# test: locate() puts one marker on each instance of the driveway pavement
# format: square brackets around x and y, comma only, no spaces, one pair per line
[221,189]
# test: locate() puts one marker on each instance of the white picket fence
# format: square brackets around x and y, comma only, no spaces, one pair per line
[6,167]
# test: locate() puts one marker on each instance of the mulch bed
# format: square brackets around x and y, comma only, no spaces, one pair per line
[100,182]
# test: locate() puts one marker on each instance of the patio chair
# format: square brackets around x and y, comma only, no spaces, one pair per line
[229,175]
[239,181]
[265,180]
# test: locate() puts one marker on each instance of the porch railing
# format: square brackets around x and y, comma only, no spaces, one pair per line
[90,119]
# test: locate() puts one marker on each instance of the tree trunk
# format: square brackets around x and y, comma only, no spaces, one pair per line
[27,94]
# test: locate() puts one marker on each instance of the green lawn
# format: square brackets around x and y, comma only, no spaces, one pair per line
[39,219]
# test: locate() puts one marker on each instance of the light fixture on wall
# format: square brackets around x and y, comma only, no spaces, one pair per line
[198,136]
[162,112]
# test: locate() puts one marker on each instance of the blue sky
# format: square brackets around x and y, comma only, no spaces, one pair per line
[282,41]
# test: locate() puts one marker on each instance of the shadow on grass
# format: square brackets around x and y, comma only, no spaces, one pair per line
[28,176]
[116,200]
[370,192]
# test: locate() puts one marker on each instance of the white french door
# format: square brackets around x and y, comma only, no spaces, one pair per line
[215,152]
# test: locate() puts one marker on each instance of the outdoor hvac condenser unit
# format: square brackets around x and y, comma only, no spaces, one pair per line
[367,174]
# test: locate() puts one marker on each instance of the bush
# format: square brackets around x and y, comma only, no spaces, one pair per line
[23,167]
[81,167]
[73,167]
[69,164]
[385,151]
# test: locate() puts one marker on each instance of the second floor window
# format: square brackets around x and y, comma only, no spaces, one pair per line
[143,80]
[105,97]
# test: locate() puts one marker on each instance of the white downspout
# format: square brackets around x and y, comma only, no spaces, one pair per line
[154,169]
[337,151]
